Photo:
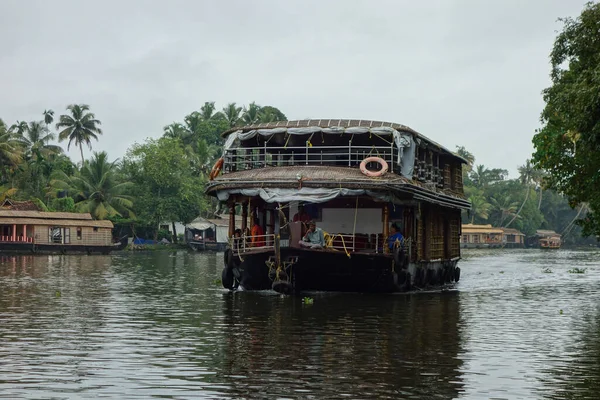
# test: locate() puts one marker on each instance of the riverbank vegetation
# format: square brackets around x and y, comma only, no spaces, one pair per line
[158,181]
[567,146]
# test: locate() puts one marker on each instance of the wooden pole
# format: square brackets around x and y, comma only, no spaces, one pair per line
[386,232]
[231,219]
[244,216]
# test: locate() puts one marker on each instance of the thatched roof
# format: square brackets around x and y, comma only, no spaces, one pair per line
[44,215]
[471,228]
[10,204]
[5,220]
[322,123]
[290,176]
[344,123]
[511,231]
[328,177]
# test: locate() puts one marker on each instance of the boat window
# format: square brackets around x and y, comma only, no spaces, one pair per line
[55,234]
[79,233]
[95,229]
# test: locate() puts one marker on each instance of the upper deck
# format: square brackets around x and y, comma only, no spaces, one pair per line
[339,143]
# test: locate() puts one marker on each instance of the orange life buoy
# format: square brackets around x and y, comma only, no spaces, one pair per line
[379,160]
[216,169]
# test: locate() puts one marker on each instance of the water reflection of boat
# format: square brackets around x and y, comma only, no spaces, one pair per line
[356,178]
[360,346]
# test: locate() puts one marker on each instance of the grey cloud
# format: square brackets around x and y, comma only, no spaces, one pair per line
[464,72]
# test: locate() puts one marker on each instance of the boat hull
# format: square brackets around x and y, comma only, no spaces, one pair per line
[32,248]
[310,270]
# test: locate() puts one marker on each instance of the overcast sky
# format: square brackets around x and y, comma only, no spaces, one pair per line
[462,72]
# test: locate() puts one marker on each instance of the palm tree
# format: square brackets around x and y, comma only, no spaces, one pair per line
[505,206]
[567,230]
[251,114]
[479,207]
[271,114]
[526,173]
[79,127]
[175,131]
[7,192]
[479,175]
[18,127]
[10,149]
[232,114]
[96,188]
[48,116]
[207,111]
[35,139]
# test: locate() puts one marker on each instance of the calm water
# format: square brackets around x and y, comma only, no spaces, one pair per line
[157,325]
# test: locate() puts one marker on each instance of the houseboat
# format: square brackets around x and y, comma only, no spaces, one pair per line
[203,234]
[353,179]
[546,239]
[487,236]
[53,232]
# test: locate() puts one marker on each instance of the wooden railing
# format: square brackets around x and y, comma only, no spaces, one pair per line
[18,239]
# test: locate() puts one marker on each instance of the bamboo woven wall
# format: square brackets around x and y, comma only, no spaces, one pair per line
[455,236]
[438,233]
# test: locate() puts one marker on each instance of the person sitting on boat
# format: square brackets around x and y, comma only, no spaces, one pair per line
[258,235]
[395,235]
[314,237]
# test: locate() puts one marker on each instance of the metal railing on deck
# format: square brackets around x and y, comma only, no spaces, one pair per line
[244,244]
[239,159]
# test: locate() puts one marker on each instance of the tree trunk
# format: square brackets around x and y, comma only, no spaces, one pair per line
[540,199]
[520,208]
[81,150]
[174,232]
[570,226]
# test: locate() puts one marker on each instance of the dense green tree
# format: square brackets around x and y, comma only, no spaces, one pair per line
[165,186]
[568,144]
[97,188]
[79,127]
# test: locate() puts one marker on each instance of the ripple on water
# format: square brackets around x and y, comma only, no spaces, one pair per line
[157,325]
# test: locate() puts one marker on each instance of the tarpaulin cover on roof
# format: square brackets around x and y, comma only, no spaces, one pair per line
[404,141]
[306,194]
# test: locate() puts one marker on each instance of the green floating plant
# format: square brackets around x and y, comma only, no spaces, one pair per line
[307,300]
[577,270]
[547,271]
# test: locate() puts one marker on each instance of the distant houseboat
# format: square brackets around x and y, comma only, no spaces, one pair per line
[359,181]
[482,236]
[204,234]
[547,239]
[513,238]
[53,232]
